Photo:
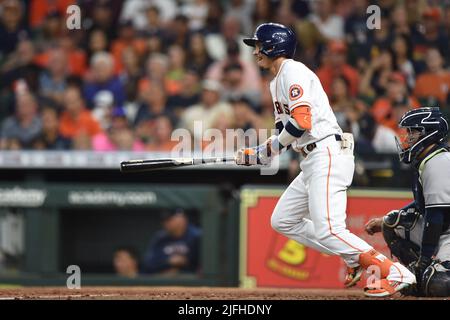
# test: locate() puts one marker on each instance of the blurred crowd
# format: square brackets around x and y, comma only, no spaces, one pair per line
[138,69]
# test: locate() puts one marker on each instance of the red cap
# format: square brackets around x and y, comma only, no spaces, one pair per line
[397,77]
[433,13]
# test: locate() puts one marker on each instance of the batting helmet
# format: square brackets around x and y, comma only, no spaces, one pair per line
[424,126]
[275,39]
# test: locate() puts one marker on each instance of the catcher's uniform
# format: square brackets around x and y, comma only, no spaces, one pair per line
[312,209]
[432,189]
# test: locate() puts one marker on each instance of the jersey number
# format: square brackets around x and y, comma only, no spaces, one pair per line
[280,110]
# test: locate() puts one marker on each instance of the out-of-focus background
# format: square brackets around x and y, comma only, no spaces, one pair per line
[76,102]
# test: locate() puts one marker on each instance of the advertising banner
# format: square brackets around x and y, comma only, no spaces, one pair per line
[269,259]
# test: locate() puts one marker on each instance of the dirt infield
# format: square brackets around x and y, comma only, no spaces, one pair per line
[180,293]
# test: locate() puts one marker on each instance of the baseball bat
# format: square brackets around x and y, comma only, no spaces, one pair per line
[156,164]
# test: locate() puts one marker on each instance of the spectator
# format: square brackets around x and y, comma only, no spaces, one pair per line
[76,57]
[130,78]
[217,44]
[355,27]
[39,10]
[197,12]
[374,137]
[25,125]
[214,18]
[126,262]
[403,62]
[161,139]
[154,22]
[234,85]
[435,82]
[396,94]
[11,27]
[208,110]
[341,102]
[76,120]
[379,39]
[330,25]
[102,109]
[179,31]
[156,69]
[430,34]
[52,82]
[335,66]
[102,18]
[399,19]
[251,79]
[175,73]
[21,65]
[97,42]
[243,10]
[50,138]
[188,96]
[103,78]
[50,32]
[197,55]
[154,104]
[375,79]
[127,39]
[135,10]
[310,43]
[174,249]
[245,117]
[119,136]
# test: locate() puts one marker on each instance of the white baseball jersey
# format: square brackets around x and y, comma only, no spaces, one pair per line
[295,85]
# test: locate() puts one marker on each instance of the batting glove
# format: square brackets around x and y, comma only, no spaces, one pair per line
[261,154]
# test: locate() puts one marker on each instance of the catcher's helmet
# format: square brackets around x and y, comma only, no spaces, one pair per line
[424,126]
[276,40]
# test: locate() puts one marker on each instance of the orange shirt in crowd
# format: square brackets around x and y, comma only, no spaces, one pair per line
[171,86]
[118,46]
[85,123]
[76,61]
[39,9]
[429,84]
[326,75]
[165,146]
[382,112]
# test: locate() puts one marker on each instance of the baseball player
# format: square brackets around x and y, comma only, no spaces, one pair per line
[419,234]
[311,211]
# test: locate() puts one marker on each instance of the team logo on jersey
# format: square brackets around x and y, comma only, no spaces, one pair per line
[295,92]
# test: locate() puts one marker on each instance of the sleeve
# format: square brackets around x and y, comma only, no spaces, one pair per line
[436,181]
[434,222]
[298,89]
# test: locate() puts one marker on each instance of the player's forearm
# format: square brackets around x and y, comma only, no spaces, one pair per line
[288,135]
[434,221]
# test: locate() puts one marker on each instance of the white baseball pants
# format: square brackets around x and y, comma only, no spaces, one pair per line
[311,211]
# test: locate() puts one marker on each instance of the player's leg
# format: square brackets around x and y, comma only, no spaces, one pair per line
[330,174]
[290,216]
[328,180]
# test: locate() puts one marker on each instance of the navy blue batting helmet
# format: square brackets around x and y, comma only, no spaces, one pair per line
[275,39]
[424,126]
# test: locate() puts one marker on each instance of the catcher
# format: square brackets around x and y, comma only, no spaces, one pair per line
[419,234]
